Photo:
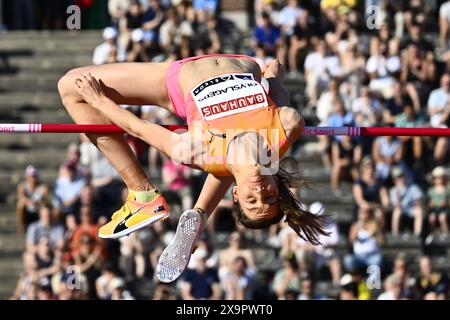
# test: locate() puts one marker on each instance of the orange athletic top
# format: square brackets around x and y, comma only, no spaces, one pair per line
[228,105]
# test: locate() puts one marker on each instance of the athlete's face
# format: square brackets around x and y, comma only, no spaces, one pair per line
[258,197]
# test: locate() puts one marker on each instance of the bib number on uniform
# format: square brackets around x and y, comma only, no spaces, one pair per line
[228,94]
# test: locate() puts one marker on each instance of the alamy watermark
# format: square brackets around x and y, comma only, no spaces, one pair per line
[73,282]
[373,17]
[373,280]
[73,21]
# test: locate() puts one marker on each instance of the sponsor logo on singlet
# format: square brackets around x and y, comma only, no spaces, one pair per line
[228,94]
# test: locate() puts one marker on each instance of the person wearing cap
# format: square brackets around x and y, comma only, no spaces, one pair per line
[348,288]
[107,51]
[438,196]
[30,194]
[406,200]
[136,52]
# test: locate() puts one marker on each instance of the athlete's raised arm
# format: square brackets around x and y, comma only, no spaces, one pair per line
[292,122]
[274,74]
[290,118]
[212,193]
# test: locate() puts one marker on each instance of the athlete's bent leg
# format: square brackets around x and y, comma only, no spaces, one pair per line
[127,83]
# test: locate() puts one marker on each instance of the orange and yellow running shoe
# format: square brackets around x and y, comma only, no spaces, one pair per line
[133,216]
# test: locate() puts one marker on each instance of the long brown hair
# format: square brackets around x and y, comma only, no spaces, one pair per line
[307,225]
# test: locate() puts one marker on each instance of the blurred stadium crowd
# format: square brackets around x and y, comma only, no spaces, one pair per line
[391,75]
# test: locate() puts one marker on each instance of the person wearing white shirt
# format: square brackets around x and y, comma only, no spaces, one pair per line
[438,102]
[117,9]
[365,108]
[320,255]
[439,111]
[380,67]
[444,22]
[107,51]
[325,105]
[316,71]
[288,16]
[173,29]
[392,288]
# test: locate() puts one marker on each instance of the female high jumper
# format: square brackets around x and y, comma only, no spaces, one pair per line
[239,126]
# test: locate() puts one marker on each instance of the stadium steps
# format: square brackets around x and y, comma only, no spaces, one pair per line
[8,222]
[47,175]
[12,245]
[47,62]
[8,285]
[50,35]
[12,267]
[13,85]
[43,100]
[54,116]
[28,93]
[49,39]
[28,141]
[42,158]
[408,244]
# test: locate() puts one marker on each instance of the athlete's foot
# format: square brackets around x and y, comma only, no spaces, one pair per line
[134,215]
[175,258]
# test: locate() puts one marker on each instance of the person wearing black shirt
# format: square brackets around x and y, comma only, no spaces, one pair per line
[396,104]
[300,40]
[134,17]
[201,282]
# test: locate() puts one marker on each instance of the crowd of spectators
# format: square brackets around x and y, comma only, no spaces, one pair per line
[389,74]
